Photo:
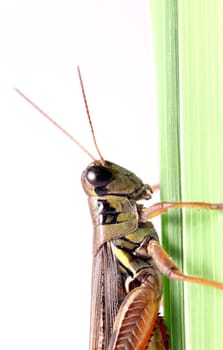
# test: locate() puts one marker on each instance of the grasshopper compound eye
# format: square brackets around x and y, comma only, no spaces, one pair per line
[99,176]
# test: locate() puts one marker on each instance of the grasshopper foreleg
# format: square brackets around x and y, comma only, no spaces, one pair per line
[155,188]
[162,207]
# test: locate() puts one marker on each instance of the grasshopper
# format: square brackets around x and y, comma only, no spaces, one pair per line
[128,260]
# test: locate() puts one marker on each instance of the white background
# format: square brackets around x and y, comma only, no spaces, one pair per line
[45,227]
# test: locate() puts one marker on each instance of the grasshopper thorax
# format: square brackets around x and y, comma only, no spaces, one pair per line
[111,179]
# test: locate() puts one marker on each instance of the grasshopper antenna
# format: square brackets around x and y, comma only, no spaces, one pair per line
[54,122]
[61,128]
[89,116]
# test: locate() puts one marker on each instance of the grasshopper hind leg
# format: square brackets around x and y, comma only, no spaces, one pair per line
[136,322]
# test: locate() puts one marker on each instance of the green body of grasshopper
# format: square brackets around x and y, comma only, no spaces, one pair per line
[128,260]
[126,283]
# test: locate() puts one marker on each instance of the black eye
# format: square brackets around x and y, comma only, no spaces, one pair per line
[99,176]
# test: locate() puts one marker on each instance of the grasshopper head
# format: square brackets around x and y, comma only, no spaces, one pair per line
[111,179]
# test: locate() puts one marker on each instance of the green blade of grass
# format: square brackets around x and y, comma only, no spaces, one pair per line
[189,57]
